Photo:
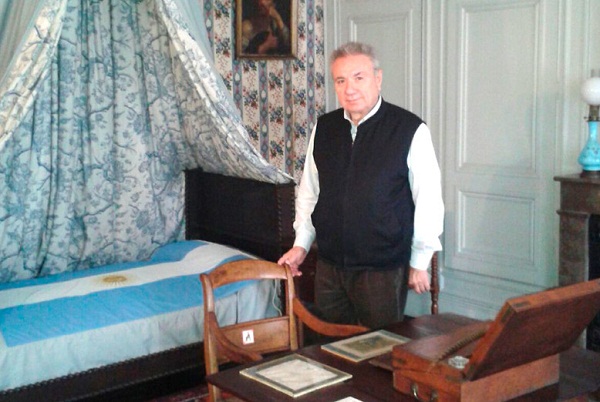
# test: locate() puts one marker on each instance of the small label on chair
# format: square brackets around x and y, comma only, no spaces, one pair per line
[248,337]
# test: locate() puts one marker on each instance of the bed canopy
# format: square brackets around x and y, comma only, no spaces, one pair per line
[103,104]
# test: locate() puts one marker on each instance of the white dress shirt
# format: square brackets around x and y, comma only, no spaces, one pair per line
[425,183]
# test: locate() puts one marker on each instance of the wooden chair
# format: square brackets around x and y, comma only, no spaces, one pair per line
[248,341]
[435,283]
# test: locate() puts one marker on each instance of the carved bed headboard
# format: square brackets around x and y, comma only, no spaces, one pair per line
[254,216]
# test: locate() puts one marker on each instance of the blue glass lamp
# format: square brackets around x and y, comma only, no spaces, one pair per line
[589,158]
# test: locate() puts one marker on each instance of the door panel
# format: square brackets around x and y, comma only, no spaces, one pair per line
[394,29]
[497,172]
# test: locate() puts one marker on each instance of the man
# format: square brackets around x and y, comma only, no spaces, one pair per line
[371,195]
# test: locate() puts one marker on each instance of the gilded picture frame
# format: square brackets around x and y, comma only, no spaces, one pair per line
[265,29]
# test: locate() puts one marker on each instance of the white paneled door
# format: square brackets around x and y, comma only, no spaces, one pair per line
[493,82]
[394,28]
[501,95]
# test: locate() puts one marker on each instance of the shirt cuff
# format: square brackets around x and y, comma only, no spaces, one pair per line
[304,240]
[420,260]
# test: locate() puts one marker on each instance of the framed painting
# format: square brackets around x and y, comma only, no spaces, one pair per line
[265,29]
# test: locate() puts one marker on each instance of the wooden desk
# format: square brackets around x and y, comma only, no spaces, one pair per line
[580,371]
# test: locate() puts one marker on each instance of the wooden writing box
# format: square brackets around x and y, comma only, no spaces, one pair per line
[513,355]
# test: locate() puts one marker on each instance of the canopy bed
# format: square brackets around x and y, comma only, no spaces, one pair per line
[119,147]
[99,354]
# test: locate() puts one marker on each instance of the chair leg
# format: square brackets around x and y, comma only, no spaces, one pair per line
[300,327]
[214,394]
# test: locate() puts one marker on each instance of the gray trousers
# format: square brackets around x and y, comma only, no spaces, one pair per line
[371,298]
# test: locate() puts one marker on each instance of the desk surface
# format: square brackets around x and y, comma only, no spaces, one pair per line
[580,371]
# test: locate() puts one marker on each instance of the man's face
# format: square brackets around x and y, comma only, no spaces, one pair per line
[357,84]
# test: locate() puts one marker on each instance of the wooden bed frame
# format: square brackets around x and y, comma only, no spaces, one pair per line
[253,216]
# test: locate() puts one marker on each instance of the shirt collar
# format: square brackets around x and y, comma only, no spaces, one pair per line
[368,115]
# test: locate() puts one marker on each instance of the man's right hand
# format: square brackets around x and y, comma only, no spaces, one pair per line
[294,258]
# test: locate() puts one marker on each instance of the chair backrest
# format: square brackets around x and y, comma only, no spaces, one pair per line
[247,341]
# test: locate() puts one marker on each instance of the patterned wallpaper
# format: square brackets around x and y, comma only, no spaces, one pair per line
[279,100]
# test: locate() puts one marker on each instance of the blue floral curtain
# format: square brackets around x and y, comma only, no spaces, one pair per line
[105,106]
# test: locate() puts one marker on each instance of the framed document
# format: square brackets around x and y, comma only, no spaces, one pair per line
[366,346]
[295,375]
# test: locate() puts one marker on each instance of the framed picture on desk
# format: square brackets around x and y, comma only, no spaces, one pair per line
[366,346]
[295,375]
[265,29]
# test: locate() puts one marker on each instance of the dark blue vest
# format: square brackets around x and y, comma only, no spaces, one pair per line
[364,215]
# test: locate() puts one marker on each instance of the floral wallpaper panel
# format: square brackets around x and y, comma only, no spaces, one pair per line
[279,100]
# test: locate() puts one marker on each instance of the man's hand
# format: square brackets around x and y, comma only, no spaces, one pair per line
[418,280]
[294,258]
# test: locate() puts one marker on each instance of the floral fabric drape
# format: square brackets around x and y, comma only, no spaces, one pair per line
[108,102]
